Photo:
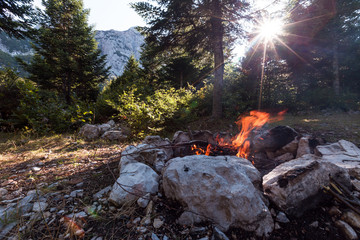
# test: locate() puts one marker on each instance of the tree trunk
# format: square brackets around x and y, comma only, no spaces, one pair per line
[217,32]
[66,88]
[336,80]
[181,79]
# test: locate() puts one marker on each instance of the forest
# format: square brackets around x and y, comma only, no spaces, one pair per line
[304,58]
[155,153]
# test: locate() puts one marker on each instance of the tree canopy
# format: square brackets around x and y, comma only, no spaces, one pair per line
[198,27]
[66,56]
[15,17]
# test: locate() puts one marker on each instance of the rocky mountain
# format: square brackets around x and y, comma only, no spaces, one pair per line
[117,45]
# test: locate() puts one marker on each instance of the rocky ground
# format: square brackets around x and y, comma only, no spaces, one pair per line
[57,187]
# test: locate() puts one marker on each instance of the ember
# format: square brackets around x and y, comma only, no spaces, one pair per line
[241,142]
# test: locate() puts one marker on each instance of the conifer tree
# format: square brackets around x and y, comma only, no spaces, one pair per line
[15,17]
[197,27]
[66,56]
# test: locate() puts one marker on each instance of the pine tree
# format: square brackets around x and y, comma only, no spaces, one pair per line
[196,27]
[325,33]
[66,56]
[15,17]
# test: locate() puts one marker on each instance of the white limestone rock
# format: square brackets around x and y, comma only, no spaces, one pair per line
[341,147]
[89,132]
[136,180]
[155,154]
[285,157]
[343,154]
[39,206]
[104,127]
[303,147]
[114,135]
[3,193]
[222,188]
[296,186]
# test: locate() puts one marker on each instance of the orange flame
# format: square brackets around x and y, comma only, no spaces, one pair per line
[241,142]
[208,150]
[199,151]
[249,123]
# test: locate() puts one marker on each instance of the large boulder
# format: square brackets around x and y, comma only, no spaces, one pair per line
[104,128]
[114,135]
[274,139]
[341,147]
[135,181]
[90,132]
[343,154]
[296,186]
[154,152]
[223,189]
[303,148]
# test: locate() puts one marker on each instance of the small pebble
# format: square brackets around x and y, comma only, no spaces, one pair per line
[35,169]
[154,237]
[3,192]
[281,217]
[277,226]
[142,229]
[314,224]
[61,212]
[39,206]
[157,223]
[77,193]
[136,220]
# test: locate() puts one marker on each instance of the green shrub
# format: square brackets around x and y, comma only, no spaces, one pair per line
[45,112]
[9,93]
[153,113]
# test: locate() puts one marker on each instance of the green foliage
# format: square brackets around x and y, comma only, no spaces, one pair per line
[66,57]
[198,29]
[44,111]
[15,17]
[155,112]
[24,105]
[9,96]
[146,107]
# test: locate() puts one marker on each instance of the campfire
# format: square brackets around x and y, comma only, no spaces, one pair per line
[229,180]
[242,145]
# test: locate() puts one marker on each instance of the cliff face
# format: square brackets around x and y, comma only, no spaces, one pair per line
[117,45]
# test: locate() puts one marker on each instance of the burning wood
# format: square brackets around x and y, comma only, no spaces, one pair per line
[241,143]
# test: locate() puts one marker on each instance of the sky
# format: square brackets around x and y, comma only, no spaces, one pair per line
[118,15]
[110,14]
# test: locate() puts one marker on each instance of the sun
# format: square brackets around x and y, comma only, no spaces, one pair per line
[270,28]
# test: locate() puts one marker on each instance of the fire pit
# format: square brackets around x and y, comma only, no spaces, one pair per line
[229,181]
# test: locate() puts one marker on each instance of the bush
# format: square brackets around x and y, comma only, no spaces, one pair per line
[154,113]
[45,112]
[9,93]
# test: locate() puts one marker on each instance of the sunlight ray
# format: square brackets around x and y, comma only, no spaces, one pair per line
[291,50]
[262,74]
[309,19]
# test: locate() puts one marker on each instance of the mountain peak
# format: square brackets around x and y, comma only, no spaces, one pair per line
[119,46]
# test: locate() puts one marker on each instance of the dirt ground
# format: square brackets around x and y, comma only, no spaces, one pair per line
[71,160]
